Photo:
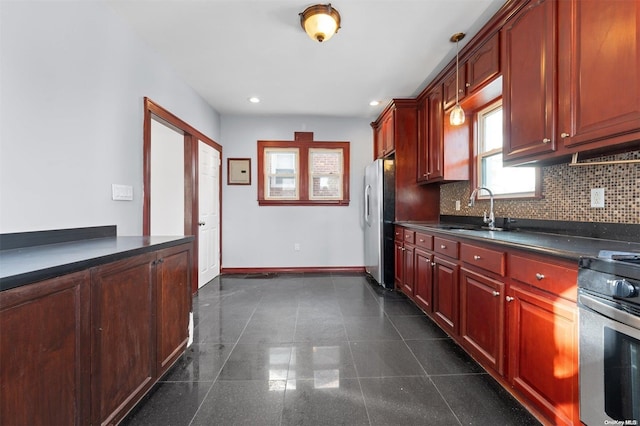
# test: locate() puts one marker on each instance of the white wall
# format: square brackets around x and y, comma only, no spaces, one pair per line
[254,236]
[167,180]
[72,82]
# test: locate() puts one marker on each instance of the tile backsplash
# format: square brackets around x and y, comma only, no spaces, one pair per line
[566,194]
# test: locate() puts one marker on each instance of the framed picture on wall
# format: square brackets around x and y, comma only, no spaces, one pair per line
[238,171]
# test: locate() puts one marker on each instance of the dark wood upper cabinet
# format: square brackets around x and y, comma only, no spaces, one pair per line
[384,133]
[430,137]
[599,72]
[476,69]
[529,89]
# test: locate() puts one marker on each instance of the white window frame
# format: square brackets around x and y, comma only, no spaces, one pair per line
[313,175]
[268,175]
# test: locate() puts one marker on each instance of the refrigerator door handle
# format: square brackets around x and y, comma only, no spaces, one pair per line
[367,208]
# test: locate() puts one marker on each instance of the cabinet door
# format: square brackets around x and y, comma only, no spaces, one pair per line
[423,285]
[529,90]
[543,355]
[388,132]
[599,61]
[173,305]
[484,64]
[436,148]
[123,336]
[377,141]
[445,295]
[407,283]
[423,141]
[399,265]
[482,318]
[45,352]
[449,98]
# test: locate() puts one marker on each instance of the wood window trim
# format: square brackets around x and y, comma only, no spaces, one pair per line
[303,142]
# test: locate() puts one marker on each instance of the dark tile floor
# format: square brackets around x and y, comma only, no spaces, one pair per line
[321,349]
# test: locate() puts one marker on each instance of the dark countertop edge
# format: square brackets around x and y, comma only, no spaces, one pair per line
[567,255]
[55,236]
[19,280]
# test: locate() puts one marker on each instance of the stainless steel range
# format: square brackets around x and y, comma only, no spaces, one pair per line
[609,307]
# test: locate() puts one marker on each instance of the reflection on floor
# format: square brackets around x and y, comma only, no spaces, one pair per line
[321,349]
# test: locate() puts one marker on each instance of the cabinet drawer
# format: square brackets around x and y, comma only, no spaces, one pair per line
[551,277]
[409,236]
[491,260]
[446,247]
[424,241]
[399,233]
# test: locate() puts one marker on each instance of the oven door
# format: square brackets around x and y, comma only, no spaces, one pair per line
[609,363]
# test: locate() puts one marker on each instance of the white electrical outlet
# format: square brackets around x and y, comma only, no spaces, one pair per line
[457,205]
[296,246]
[597,197]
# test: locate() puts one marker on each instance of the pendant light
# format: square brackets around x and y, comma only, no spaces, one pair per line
[456,117]
[320,21]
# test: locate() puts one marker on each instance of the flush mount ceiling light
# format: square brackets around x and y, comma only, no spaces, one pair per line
[456,117]
[320,21]
[254,100]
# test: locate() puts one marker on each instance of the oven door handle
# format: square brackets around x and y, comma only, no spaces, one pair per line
[609,311]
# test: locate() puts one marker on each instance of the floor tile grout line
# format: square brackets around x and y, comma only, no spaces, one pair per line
[223,364]
[355,367]
[286,382]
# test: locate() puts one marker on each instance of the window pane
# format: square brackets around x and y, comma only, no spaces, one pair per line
[506,180]
[492,125]
[325,170]
[281,174]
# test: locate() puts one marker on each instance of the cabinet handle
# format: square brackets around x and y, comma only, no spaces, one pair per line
[425,175]
[539,277]
[496,293]
[509,299]
[564,135]
[476,257]
[442,246]
[546,140]
[421,240]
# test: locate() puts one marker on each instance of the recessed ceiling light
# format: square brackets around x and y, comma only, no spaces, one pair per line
[254,99]
[374,103]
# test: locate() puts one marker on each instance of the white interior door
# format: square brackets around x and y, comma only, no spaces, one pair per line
[208,213]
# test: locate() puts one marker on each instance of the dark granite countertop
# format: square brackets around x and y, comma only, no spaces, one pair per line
[564,246]
[20,266]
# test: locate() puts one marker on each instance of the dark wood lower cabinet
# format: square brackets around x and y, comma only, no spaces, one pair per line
[45,352]
[84,348]
[123,314]
[482,318]
[543,347]
[445,295]
[423,283]
[173,305]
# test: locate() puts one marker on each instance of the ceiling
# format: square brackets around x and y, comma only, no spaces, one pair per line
[230,50]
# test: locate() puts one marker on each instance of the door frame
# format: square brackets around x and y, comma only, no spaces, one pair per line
[191,137]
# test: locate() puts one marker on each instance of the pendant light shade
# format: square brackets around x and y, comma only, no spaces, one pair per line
[456,116]
[320,21]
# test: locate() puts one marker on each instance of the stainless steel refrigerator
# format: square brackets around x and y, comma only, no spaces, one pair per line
[379,214]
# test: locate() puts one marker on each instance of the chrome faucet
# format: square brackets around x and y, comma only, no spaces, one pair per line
[491,220]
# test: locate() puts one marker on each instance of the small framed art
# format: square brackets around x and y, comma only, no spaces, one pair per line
[238,171]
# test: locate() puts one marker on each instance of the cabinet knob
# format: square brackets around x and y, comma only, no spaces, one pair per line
[442,246]
[476,257]
[539,277]
[546,140]
[509,299]
[564,135]
[461,90]
[433,263]
[421,240]
[496,293]
[467,85]
[425,175]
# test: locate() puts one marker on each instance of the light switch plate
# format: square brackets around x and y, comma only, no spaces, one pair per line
[597,197]
[121,192]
